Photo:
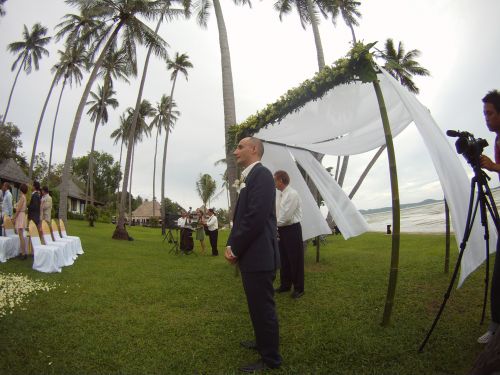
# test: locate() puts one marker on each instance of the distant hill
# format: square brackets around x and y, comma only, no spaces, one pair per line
[408,205]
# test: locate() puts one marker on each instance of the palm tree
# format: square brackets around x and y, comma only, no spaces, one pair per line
[120,135]
[308,14]
[142,128]
[71,63]
[206,187]
[350,14]
[405,67]
[119,15]
[99,114]
[161,114]
[166,11]
[227,81]
[29,51]
[179,64]
[402,65]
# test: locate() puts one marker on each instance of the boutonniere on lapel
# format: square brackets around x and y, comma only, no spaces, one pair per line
[239,184]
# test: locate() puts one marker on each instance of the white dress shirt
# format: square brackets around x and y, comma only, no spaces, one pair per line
[212,223]
[181,222]
[247,170]
[7,203]
[288,207]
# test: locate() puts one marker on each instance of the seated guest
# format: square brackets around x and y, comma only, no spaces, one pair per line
[46,206]
[213,230]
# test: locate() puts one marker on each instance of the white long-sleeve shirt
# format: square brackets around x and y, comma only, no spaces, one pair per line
[288,207]
[7,203]
[212,223]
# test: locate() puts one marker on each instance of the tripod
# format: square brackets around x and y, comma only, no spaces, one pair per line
[486,204]
[170,238]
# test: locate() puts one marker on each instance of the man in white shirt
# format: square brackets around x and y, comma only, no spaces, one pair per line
[289,216]
[213,230]
[46,205]
[6,202]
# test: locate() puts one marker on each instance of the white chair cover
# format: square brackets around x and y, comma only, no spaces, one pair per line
[72,243]
[67,254]
[45,257]
[76,239]
[9,248]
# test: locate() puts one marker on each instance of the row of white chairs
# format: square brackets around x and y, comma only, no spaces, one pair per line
[52,250]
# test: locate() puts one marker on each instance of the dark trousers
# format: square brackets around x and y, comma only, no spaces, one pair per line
[259,291]
[495,287]
[292,257]
[213,235]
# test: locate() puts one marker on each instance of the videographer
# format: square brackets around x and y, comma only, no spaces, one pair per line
[491,110]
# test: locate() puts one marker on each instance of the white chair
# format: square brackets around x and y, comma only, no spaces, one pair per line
[11,242]
[45,258]
[64,246]
[57,237]
[75,238]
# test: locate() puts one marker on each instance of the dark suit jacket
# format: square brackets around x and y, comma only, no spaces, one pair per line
[253,238]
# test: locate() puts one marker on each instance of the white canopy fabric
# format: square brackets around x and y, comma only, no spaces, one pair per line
[313,224]
[347,121]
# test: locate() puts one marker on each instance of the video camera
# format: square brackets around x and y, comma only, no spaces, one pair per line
[470,147]
[171,220]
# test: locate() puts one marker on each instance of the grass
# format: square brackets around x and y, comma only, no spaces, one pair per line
[135,308]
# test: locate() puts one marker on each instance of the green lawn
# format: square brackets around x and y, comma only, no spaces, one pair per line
[135,308]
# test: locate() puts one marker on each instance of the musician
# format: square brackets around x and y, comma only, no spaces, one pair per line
[213,230]
[184,224]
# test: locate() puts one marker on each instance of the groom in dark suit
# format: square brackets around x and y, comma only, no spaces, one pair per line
[253,245]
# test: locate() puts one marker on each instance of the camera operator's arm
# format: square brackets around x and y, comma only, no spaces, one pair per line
[489,164]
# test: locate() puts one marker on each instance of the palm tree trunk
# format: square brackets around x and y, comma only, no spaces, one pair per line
[393,274]
[4,118]
[91,161]
[35,142]
[63,192]
[54,130]
[130,186]
[162,204]
[337,170]
[118,187]
[229,103]
[352,33]
[317,37]
[154,168]
[120,232]
[345,161]
[365,172]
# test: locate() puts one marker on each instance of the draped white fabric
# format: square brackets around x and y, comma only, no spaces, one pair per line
[347,121]
[313,224]
[349,220]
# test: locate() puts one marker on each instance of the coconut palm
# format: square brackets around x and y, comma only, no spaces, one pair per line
[161,116]
[119,16]
[72,58]
[308,14]
[141,129]
[206,187]
[402,65]
[29,52]
[180,64]
[350,14]
[98,112]
[71,63]
[166,11]
[202,10]
[120,135]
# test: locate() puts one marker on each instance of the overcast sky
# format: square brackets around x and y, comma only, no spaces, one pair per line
[458,39]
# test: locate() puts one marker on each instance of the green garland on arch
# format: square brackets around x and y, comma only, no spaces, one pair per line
[356,66]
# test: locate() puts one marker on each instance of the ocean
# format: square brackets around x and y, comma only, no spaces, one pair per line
[427,218]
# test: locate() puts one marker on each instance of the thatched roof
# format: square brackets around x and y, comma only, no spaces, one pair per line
[74,191]
[10,171]
[145,210]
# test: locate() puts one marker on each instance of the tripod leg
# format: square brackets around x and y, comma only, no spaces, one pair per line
[463,244]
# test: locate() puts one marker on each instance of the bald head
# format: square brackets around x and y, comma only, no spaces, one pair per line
[248,151]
